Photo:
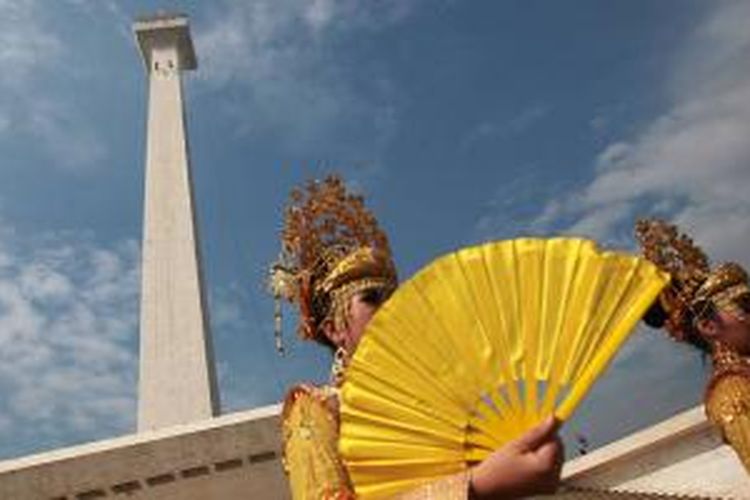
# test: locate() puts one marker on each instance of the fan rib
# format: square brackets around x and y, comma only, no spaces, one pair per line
[433,364]
[408,396]
[610,296]
[529,256]
[566,254]
[511,353]
[441,298]
[599,363]
[583,305]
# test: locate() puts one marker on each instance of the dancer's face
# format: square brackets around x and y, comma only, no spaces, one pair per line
[362,307]
[731,328]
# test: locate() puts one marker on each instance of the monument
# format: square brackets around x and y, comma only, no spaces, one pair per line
[177,381]
[182,449]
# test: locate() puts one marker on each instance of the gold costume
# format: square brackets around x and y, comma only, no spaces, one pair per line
[728,401]
[698,292]
[310,431]
[332,249]
[311,457]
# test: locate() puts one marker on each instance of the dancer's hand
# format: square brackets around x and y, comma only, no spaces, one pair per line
[525,466]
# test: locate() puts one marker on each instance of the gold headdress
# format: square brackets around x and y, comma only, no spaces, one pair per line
[695,288]
[331,249]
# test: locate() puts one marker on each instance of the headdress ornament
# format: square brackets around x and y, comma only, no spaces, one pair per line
[331,248]
[725,288]
[695,288]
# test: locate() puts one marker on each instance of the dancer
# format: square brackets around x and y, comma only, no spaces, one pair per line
[708,308]
[336,268]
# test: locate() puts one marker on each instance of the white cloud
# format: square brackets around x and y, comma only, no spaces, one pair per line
[35,53]
[68,325]
[319,14]
[226,305]
[4,124]
[72,143]
[692,163]
[24,43]
[39,281]
[284,55]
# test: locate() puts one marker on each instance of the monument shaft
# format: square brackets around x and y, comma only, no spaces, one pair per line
[177,375]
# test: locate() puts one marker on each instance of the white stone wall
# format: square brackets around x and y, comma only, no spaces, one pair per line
[235,457]
[680,456]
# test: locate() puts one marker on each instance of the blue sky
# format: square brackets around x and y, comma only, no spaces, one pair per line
[462,121]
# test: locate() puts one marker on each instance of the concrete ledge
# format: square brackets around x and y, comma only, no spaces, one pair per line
[233,456]
[676,428]
[680,456]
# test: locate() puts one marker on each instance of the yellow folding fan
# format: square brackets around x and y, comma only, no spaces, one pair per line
[480,346]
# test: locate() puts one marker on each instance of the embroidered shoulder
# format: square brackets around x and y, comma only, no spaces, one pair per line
[728,398]
[310,432]
[728,407]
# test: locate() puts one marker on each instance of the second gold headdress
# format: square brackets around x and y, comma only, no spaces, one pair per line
[695,289]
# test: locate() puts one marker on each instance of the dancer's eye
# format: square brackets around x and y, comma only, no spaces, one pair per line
[373,296]
[743,302]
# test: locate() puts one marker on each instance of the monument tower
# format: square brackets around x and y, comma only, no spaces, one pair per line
[177,382]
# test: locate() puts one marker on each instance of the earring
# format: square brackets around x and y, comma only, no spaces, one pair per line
[340,361]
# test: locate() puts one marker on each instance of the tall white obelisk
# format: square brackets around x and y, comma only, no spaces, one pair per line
[177,374]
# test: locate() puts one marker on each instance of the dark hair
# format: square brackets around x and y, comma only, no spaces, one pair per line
[656,317]
[374,296]
[321,305]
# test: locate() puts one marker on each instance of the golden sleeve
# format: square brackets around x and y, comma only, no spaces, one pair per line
[311,458]
[728,407]
[453,487]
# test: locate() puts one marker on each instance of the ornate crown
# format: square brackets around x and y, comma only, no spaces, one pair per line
[695,288]
[331,248]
